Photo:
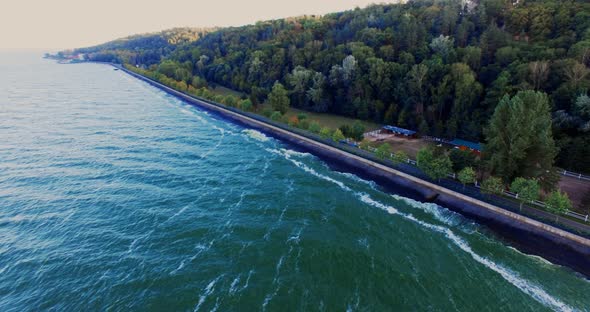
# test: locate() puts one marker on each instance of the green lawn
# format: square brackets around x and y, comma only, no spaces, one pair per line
[225,91]
[331,120]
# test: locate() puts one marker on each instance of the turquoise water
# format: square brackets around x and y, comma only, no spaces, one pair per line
[117,196]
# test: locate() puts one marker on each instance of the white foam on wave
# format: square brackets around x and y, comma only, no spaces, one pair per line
[247,280]
[312,171]
[535,257]
[208,290]
[356,178]
[296,237]
[513,278]
[443,215]
[256,135]
[234,284]
[200,249]
[287,153]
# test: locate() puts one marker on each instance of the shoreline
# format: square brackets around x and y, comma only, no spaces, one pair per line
[528,235]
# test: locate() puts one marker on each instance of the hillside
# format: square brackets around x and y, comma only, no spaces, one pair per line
[439,67]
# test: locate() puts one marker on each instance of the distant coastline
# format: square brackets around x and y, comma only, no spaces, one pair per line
[557,245]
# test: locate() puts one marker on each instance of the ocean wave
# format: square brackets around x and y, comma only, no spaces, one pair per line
[287,152]
[439,213]
[356,178]
[256,135]
[29,218]
[208,290]
[234,284]
[513,278]
[534,257]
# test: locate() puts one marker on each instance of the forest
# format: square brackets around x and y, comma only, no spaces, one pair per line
[440,67]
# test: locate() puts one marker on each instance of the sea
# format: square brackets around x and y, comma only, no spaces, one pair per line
[115,196]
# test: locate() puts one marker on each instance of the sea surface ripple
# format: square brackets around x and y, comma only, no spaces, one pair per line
[117,196]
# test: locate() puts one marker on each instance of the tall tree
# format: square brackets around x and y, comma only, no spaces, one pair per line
[278,98]
[519,137]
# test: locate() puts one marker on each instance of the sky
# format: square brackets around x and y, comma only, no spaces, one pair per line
[63,24]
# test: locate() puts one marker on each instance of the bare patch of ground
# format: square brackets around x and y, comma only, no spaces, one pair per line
[578,191]
[399,143]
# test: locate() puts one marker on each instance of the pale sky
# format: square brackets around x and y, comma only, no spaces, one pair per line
[61,24]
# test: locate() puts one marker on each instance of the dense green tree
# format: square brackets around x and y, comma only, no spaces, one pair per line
[326,133]
[435,166]
[440,67]
[462,159]
[492,185]
[278,98]
[357,130]
[314,127]
[558,202]
[337,136]
[276,116]
[519,137]
[527,190]
[466,176]
[246,105]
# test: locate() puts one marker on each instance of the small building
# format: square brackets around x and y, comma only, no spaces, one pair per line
[399,131]
[466,146]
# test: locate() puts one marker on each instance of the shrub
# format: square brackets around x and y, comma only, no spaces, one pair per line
[400,157]
[435,166]
[337,136]
[346,130]
[293,121]
[325,133]
[303,124]
[315,127]
[267,112]
[357,130]
[365,144]
[246,105]
[231,100]
[276,116]
[383,151]
[527,190]
[558,202]
[492,185]
[467,176]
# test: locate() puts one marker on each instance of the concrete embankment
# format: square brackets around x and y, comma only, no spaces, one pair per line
[529,235]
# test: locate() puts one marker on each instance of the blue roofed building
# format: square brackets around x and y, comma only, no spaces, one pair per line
[466,145]
[399,131]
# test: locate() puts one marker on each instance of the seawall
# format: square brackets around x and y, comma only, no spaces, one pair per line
[529,235]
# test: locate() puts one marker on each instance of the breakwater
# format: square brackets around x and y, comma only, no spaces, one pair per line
[117,194]
[528,234]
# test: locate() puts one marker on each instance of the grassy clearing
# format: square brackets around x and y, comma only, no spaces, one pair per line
[332,121]
[225,91]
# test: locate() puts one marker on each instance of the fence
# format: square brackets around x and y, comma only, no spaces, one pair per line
[563,172]
[409,167]
[574,175]
[509,194]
